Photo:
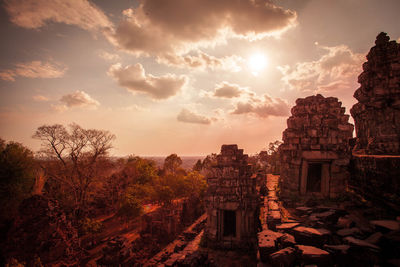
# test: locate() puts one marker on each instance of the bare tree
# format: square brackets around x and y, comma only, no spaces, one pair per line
[73,157]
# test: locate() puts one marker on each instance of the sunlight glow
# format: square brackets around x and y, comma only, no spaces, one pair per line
[257,63]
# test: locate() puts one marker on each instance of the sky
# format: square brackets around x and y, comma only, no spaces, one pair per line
[180,76]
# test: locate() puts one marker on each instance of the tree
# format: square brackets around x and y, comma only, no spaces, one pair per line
[73,158]
[139,170]
[17,177]
[172,163]
[198,166]
[196,184]
[208,162]
[273,147]
[163,194]
[130,208]
[273,156]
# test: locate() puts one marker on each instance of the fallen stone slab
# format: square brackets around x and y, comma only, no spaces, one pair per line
[273,218]
[269,232]
[284,257]
[312,218]
[360,243]
[321,208]
[329,216]
[286,226]
[342,249]
[374,238]
[348,231]
[310,236]
[388,225]
[313,255]
[267,243]
[287,240]
[324,214]
[345,222]
[303,210]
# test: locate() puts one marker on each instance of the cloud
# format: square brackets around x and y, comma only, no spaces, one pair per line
[108,56]
[191,117]
[228,90]
[33,14]
[134,78]
[264,107]
[59,107]
[133,108]
[79,99]
[336,70]
[162,28]
[202,61]
[40,98]
[33,69]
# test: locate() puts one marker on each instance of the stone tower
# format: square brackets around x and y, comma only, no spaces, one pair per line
[315,152]
[377,113]
[376,155]
[232,201]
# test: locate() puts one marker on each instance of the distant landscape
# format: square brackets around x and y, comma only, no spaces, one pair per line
[187,161]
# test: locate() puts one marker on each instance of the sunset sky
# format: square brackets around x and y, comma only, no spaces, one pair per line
[180,76]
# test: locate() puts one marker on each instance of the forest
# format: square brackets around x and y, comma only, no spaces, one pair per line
[73,168]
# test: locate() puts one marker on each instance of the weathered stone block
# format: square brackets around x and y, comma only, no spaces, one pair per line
[284,257]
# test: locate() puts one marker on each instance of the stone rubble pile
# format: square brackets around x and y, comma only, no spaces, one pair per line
[328,236]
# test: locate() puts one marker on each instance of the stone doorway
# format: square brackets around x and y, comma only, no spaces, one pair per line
[314,177]
[229,223]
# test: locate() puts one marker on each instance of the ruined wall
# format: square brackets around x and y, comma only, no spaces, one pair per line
[318,132]
[231,190]
[376,155]
[377,178]
[377,113]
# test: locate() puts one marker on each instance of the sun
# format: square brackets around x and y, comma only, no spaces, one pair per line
[257,63]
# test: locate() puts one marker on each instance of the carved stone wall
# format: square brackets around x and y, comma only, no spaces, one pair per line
[377,113]
[231,201]
[315,153]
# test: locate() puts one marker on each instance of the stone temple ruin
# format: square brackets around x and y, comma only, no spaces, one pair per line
[315,152]
[376,155]
[232,201]
[377,113]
